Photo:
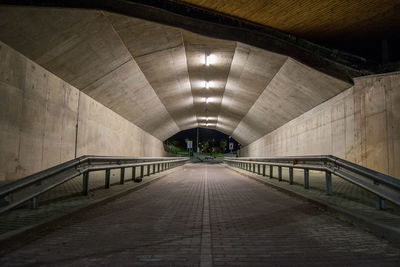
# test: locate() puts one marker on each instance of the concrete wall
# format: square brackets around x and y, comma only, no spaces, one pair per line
[361,124]
[38,118]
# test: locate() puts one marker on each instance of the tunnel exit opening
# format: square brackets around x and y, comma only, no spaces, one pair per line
[202,142]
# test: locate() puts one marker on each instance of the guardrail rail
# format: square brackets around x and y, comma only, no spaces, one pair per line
[30,187]
[383,186]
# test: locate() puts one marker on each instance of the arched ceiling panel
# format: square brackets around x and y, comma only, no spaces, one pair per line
[88,53]
[160,54]
[251,71]
[294,90]
[220,54]
[155,75]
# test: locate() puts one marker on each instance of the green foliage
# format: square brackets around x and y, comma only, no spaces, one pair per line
[205,146]
[223,145]
[174,149]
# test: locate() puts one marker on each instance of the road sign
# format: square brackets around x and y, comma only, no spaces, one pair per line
[189,144]
[231,146]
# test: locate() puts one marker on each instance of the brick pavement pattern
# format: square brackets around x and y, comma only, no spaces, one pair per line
[206,215]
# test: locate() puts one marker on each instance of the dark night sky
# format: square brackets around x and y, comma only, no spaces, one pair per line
[204,134]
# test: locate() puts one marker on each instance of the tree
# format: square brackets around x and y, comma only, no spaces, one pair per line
[216,149]
[175,142]
[222,144]
[205,145]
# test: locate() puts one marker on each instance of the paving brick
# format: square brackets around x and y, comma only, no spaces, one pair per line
[172,223]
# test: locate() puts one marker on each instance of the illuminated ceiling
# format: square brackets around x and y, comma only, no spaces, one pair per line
[157,76]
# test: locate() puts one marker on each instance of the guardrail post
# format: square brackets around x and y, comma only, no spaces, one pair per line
[263,169]
[258,169]
[290,175]
[328,179]
[154,168]
[141,171]
[134,173]
[279,173]
[148,170]
[306,179]
[381,203]
[158,167]
[271,171]
[107,185]
[254,168]
[34,203]
[122,179]
[85,183]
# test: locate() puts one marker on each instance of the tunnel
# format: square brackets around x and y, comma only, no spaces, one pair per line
[310,92]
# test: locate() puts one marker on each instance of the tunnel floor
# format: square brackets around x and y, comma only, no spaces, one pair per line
[206,215]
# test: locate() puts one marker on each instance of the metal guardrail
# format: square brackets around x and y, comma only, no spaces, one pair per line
[383,186]
[28,188]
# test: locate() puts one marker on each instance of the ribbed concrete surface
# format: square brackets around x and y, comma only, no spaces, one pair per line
[210,216]
[154,75]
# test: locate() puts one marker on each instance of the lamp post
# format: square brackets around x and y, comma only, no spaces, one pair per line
[197,140]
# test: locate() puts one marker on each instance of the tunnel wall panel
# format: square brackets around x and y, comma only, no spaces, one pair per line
[361,124]
[39,114]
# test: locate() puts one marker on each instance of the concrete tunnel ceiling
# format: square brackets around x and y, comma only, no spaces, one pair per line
[156,76]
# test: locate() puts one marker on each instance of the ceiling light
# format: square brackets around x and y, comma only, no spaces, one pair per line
[207,119]
[207,60]
[207,85]
[207,100]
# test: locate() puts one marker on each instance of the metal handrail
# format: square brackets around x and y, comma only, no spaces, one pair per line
[28,188]
[384,186]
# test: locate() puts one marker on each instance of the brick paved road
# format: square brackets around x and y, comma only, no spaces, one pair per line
[206,215]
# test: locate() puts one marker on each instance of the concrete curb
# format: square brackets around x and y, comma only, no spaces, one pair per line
[380,230]
[17,238]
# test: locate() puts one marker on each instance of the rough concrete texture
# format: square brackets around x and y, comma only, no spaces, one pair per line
[216,74]
[160,53]
[251,71]
[82,48]
[154,75]
[38,118]
[361,124]
[293,90]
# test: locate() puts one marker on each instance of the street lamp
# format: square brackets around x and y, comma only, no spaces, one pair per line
[207,60]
